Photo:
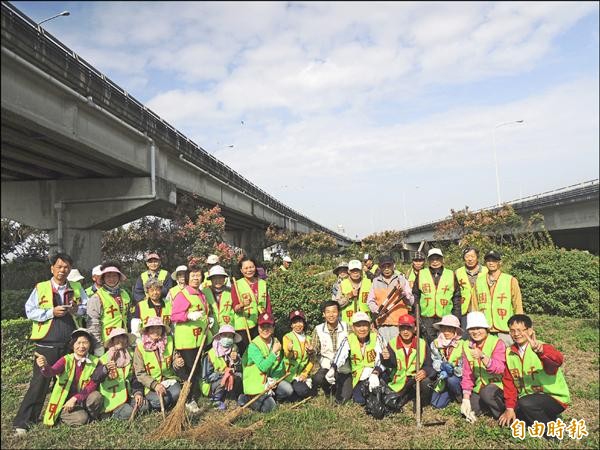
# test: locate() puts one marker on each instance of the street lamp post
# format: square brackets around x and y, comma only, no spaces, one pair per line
[496,157]
[64,13]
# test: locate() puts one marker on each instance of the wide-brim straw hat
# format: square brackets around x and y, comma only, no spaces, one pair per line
[448,321]
[156,322]
[229,329]
[119,332]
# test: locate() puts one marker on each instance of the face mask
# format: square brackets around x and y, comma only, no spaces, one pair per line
[226,342]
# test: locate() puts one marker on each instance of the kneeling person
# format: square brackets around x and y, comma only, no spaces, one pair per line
[297,350]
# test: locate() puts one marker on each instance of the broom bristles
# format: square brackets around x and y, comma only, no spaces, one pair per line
[176,421]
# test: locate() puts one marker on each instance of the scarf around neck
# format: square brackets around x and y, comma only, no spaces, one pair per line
[151,345]
[113,291]
[120,357]
[444,343]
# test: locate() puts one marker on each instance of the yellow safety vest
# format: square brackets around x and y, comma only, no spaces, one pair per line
[162,276]
[480,374]
[498,309]
[436,301]
[159,370]
[115,392]
[404,368]
[146,312]
[253,379]
[39,330]
[467,292]
[297,362]
[358,303]
[358,360]
[257,306]
[118,315]
[189,334]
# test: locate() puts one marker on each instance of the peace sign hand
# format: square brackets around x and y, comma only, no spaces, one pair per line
[536,346]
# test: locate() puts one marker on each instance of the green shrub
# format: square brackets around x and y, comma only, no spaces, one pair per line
[298,288]
[15,341]
[13,303]
[24,275]
[558,282]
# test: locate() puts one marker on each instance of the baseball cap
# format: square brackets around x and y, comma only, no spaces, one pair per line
[97,270]
[366,257]
[287,259]
[492,254]
[74,275]
[152,255]
[297,313]
[266,318]
[419,255]
[360,316]
[406,320]
[386,259]
[435,251]
[354,264]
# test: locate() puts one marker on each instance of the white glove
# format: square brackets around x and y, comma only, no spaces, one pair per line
[211,322]
[168,382]
[195,315]
[330,376]
[373,382]
[465,409]
[308,382]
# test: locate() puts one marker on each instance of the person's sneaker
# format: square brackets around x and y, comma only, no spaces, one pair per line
[192,407]
[242,399]
[20,431]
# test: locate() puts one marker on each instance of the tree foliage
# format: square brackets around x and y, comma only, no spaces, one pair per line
[389,242]
[22,242]
[299,245]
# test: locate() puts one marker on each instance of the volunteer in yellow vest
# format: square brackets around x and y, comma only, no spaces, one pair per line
[250,298]
[341,272]
[178,276]
[438,292]
[446,359]
[218,296]
[74,399]
[298,352]
[484,360]
[418,262]
[286,264]
[262,364]
[96,278]
[50,307]
[400,357]
[115,377]
[158,367]
[387,312]
[74,278]
[363,349]
[498,296]
[222,368]
[211,261]
[191,315]
[534,383]
[152,306]
[370,270]
[353,293]
[154,271]
[467,276]
[109,307]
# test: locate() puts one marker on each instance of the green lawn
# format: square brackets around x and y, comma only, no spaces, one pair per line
[318,424]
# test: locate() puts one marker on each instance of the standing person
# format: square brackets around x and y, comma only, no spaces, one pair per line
[363,349]
[354,292]
[370,270]
[157,365]
[418,262]
[326,338]
[108,308]
[190,314]
[222,368]
[467,277]
[218,296]
[262,364]
[74,278]
[484,360]
[297,352]
[341,272]
[250,298]
[73,382]
[51,306]
[498,296]
[211,261]
[446,356]
[438,292]
[286,264]
[382,286]
[178,276]
[539,393]
[400,357]
[96,278]
[154,271]
[152,306]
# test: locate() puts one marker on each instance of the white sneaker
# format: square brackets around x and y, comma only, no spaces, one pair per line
[192,407]
[20,431]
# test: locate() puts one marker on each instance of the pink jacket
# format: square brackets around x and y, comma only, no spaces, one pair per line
[181,305]
[495,365]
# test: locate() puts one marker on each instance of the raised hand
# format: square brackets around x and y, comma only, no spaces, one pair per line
[40,360]
[536,346]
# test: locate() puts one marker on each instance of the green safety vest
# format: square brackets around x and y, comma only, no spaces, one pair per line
[189,334]
[530,377]
[466,290]
[39,330]
[436,301]
[411,275]
[356,304]
[480,374]
[113,316]
[62,386]
[249,315]
[146,312]
[283,268]
[162,276]
[219,365]
[159,370]
[358,361]
[296,363]
[454,359]
[253,379]
[498,309]
[222,311]
[174,291]
[115,392]
[90,291]
[404,368]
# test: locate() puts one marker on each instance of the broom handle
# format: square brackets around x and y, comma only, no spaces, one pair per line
[243,314]
[135,409]
[162,405]
[268,388]
[418,365]
[198,354]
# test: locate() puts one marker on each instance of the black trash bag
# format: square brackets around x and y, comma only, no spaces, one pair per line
[394,401]
[375,405]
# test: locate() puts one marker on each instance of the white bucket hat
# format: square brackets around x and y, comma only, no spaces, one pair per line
[216,270]
[178,269]
[74,275]
[287,259]
[476,319]
[212,259]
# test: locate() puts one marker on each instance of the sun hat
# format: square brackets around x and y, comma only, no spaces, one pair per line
[215,271]
[156,322]
[178,269]
[229,329]
[448,321]
[476,319]
[119,332]
[287,259]
[74,275]
[212,259]
[339,267]
[113,269]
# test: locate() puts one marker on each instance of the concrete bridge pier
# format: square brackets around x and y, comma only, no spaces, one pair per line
[251,240]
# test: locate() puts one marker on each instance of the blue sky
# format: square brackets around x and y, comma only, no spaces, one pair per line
[370,116]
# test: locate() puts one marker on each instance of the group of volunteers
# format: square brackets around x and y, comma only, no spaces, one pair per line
[453,335]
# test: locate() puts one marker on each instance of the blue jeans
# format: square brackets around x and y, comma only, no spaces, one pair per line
[267,403]
[170,398]
[452,391]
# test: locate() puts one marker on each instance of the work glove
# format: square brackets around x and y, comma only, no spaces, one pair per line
[373,381]
[330,376]
[211,322]
[465,409]
[227,380]
[447,367]
[195,315]
[443,375]
[308,382]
